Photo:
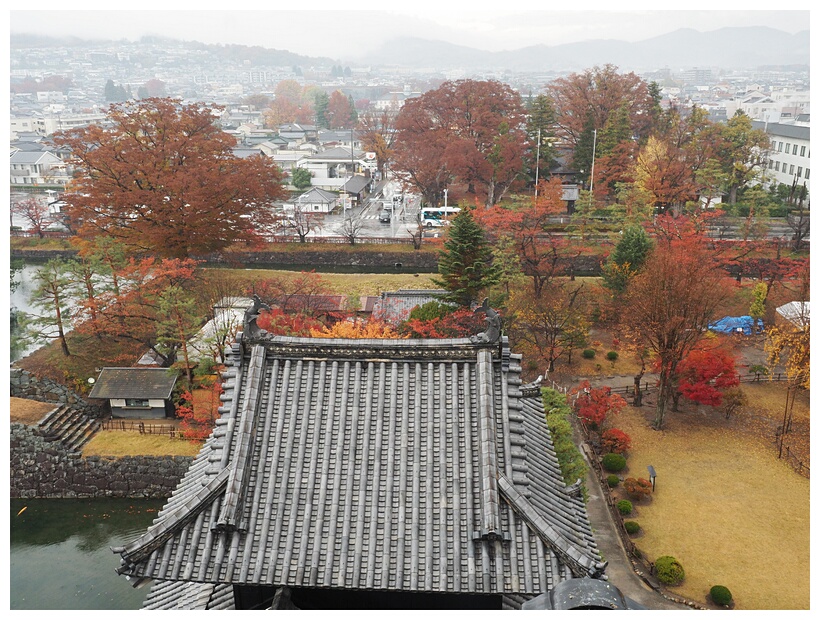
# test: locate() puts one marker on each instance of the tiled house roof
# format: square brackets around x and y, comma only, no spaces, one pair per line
[395,306]
[393,465]
[134,383]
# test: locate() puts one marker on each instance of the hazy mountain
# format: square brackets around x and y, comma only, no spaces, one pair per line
[728,48]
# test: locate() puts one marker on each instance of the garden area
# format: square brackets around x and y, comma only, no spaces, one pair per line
[724,507]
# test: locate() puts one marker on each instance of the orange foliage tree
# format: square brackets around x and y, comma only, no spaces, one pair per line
[133,311]
[357,329]
[543,254]
[198,411]
[459,323]
[670,303]
[468,130]
[162,178]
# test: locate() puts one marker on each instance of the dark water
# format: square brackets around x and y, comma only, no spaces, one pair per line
[60,552]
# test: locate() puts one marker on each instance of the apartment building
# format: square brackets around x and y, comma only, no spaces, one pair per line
[790,153]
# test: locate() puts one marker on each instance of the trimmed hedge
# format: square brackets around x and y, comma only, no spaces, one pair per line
[613,462]
[669,571]
[588,353]
[624,507]
[720,595]
[612,480]
[632,527]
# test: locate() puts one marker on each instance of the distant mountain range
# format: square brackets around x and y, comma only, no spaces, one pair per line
[727,48]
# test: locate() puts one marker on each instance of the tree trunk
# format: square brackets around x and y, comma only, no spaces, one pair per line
[637,398]
[664,390]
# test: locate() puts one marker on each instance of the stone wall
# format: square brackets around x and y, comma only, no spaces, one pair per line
[43,469]
[23,384]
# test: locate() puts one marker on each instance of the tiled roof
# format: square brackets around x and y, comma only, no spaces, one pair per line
[395,306]
[134,383]
[412,465]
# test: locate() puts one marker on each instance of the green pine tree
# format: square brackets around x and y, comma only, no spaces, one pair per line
[465,264]
[627,258]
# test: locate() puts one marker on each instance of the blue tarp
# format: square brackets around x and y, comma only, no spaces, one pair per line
[736,324]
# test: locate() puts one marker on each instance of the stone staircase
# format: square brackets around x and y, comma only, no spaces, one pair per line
[71,427]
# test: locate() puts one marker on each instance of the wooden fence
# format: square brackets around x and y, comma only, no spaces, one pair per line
[142,427]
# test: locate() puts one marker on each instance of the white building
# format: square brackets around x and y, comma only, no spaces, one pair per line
[37,168]
[790,153]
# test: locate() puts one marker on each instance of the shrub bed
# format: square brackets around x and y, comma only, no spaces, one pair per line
[632,527]
[624,507]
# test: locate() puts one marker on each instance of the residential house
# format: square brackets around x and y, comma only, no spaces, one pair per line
[136,392]
[332,168]
[356,474]
[314,200]
[37,168]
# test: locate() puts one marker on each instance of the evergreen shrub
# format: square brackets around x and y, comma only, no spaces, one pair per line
[720,595]
[669,571]
[624,507]
[612,480]
[613,462]
[632,527]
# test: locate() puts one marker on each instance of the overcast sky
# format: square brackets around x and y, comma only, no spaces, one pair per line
[349,33]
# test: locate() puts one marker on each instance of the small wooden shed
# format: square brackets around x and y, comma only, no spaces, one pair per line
[137,392]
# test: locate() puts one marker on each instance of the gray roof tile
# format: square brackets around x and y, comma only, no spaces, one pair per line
[379,464]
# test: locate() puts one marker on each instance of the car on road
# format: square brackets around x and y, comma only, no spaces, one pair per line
[384,216]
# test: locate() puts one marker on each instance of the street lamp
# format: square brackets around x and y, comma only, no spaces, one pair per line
[652,476]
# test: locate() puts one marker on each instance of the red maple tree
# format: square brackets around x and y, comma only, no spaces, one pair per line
[705,374]
[162,178]
[596,406]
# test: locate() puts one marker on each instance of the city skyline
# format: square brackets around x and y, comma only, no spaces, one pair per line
[350,34]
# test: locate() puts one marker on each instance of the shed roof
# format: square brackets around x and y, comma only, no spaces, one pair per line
[797,312]
[397,465]
[134,383]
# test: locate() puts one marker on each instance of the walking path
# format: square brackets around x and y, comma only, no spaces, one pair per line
[620,570]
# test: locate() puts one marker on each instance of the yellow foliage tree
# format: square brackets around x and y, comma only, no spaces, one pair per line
[357,329]
[790,345]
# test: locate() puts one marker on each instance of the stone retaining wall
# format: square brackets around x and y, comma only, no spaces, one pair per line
[23,384]
[43,469]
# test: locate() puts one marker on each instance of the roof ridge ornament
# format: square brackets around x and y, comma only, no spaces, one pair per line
[249,328]
[493,331]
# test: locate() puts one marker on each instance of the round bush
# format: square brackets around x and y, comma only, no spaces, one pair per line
[613,462]
[624,507]
[669,571]
[588,353]
[631,527]
[721,595]
[612,480]
[612,356]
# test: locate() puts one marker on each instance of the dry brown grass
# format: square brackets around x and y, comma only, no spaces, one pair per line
[132,443]
[357,284]
[27,411]
[724,505]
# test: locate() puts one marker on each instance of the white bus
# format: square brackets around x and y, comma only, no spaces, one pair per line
[437,216]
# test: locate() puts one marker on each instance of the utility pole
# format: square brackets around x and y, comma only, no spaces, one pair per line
[592,175]
[537,162]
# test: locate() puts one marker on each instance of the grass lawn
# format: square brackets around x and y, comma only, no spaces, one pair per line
[131,443]
[724,505]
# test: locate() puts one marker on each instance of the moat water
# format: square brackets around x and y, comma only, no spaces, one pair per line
[61,556]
